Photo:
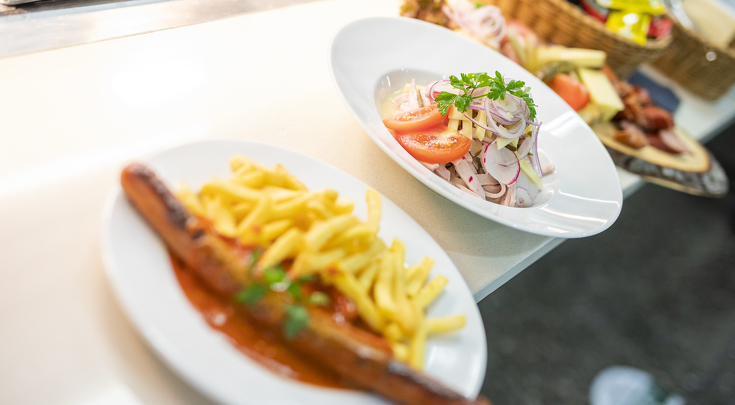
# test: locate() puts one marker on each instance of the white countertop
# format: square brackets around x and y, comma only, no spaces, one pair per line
[71,118]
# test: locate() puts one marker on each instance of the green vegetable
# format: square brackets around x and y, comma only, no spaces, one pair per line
[254,257]
[295,290]
[318,298]
[273,275]
[296,320]
[251,294]
[275,279]
[469,82]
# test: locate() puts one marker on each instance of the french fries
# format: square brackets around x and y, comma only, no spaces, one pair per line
[417,275]
[416,349]
[445,324]
[383,288]
[406,314]
[357,261]
[430,291]
[282,248]
[367,276]
[319,235]
[321,232]
[400,350]
[349,286]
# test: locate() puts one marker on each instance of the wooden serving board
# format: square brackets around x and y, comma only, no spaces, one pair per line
[696,172]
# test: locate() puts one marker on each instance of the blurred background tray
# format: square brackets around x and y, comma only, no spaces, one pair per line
[563,23]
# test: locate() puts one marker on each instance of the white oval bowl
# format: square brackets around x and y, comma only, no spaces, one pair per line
[372,58]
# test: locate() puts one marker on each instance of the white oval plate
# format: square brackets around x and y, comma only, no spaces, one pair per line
[372,58]
[140,273]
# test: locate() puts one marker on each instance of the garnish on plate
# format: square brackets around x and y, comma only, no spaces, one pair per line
[276,279]
[309,249]
[471,82]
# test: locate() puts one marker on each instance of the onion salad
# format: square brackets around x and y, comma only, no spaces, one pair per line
[499,118]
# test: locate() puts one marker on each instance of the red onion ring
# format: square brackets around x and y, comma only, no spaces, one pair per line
[535,162]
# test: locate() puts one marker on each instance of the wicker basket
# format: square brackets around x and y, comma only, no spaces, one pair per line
[563,23]
[703,69]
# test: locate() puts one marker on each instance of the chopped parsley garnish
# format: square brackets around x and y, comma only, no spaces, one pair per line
[296,320]
[273,275]
[318,298]
[252,294]
[275,279]
[469,82]
[254,257]
[295,290]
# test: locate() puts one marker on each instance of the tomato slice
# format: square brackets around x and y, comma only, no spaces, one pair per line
[571,90]
[434,145]
[415,120]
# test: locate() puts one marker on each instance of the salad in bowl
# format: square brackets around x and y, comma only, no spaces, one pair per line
[478,132]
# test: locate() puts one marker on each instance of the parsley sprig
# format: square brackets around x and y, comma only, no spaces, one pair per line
[296,320]
[276,280]
[469,82]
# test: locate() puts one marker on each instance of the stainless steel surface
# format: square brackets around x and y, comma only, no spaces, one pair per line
[42,30]
[27,7]
[14,2]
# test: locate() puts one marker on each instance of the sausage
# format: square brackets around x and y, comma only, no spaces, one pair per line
[362,359]
[667,141]
[658,118]
[631,135]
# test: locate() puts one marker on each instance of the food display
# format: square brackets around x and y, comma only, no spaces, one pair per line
[636,20]
[574,74]
[300,271]
[642,123]
[427,10]
[640,136]
[478,132]
[482,23]
[643,139]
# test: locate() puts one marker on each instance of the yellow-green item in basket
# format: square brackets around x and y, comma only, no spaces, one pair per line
[631,25]
[653,7]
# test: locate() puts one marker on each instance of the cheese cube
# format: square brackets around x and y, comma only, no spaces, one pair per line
[602,92]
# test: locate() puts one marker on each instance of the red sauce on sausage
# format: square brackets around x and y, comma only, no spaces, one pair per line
[259,345]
